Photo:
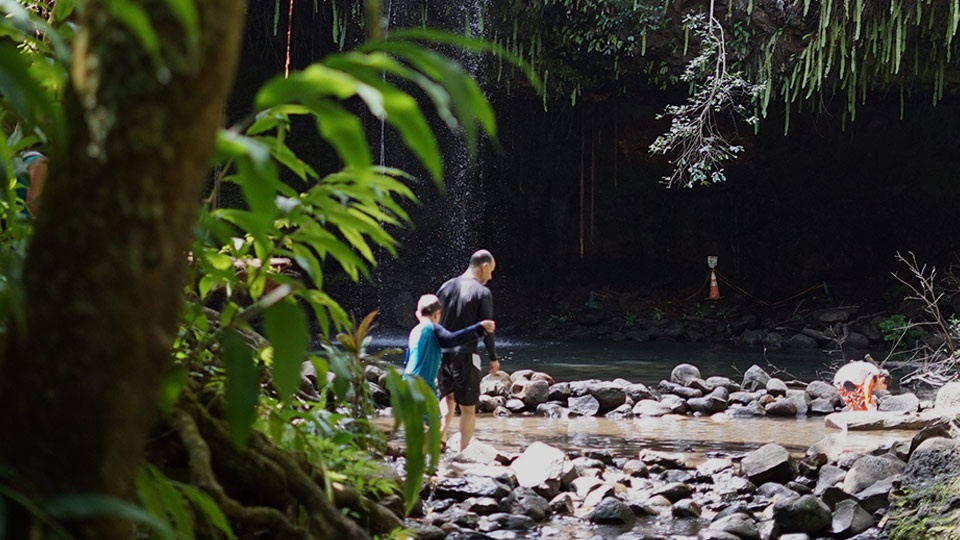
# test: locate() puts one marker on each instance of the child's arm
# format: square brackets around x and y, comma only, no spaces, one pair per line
[448,339]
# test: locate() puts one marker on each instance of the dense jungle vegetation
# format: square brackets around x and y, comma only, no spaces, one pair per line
[151,354]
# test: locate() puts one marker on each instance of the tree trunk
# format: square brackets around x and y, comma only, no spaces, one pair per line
[105,272]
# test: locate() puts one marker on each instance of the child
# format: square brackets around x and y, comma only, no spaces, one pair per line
[857,381]
[428,337]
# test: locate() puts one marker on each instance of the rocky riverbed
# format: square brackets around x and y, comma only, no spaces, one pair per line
[545,492]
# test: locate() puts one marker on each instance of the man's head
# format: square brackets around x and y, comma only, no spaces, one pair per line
[482,265]
[429,306]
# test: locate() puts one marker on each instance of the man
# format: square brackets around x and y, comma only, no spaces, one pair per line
[466,300]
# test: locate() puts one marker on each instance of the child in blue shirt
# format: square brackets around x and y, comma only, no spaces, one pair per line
[428,338]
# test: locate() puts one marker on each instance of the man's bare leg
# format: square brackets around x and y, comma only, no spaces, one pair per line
[468,419]
[447,408]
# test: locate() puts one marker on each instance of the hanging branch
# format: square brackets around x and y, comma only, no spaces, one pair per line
[694,134]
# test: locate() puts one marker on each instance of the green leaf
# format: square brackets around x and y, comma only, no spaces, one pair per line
[243,386]
[170,387]
[209,508]
[29,100]
[286,327]
[79,506]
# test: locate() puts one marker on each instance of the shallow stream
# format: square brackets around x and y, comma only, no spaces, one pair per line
[648,363]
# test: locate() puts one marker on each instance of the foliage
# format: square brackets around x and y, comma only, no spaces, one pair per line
[926,513]
[236,289]
[898,328]
[695,135]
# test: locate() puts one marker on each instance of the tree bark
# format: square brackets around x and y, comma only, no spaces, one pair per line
[105,272]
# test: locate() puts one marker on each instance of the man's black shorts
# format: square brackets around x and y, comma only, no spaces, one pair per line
[460,376]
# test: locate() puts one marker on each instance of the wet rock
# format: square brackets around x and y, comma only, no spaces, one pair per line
[804,514]
[800,341]
[609,396]
[508,522]
[526,502]
[820,389]
[948,396]
[488,404]
[725,382]
[502,411]
[876,496]
[781,407]
[515,405]
[856,341]
[901,403]
[774,340]
[706,405]
[583,463]
[497,384]
[611,511]
[686,508]
[621,412]
[773,490]
[636,468]
[684,392]
[563,504]
[482,506]
[868,470]
[559,392]
[583,485]
[541,376]
[754,378]
[424,531]
[743,398]
[747,411]
[849,519]
[800,399]
[637,392]
[684,373]
[586,405]
[822,406]
[776,387]
[649,407]
[579,388]
[674,491]
[769,463]
[552,410]
[599,493]
[676,404]
[463,488]
[830,476]
[538,464]
[667,460]
[521,375]
[753,337]
[934,461]
[713,466]
[531,392]
[739,524]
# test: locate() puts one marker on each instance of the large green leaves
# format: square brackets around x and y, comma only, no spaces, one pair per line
[413,403]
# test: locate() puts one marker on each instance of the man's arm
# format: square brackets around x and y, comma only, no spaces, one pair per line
[486,312]
[448,339]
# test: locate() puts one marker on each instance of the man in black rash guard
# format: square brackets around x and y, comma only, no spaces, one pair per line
[466,300]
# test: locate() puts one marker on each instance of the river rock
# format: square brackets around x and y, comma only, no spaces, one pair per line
[521,375]
[609,396]
[563,504]
[537,464]
[850,519]
[900,403]
[515,405]
[586,405]
[724,382]
[531,392]
[482,506]
[650,407]
[684,373]
[830,476]
[507,522]
[638,391]
[769,463]
[674,491]
[559,392]
[488,404]
[686,508]
[676,404]
[822,406]
[934,461]
[706,405]
[754,378]
[739,524]
[497,384]
[747,411]
[876,496]
[611,511]
[781,407]
[804,514]
[820,389]
[800,341]
[743,398]
[526,502]
[867,470]
[948,396]
[465,487]
[552,410]
[776,387]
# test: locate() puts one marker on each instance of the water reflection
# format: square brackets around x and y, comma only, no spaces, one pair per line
[696,435]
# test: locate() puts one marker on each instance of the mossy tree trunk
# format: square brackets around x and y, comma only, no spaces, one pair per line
[104,277]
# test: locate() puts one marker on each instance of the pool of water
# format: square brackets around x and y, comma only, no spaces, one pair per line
[646,362]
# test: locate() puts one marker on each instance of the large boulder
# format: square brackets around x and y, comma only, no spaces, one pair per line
[948,396]
[869,470]
[935,461]
[527,502]
[684,373]
[608,394]
[497,384]
[805,514]
[754,378]
[531,392]
[537,464]
[849,519]
[769,463]
[583,405]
